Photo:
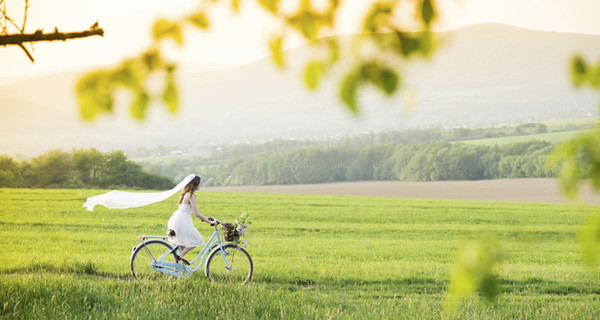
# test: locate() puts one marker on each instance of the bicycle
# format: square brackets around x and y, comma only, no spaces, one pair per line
[226,262]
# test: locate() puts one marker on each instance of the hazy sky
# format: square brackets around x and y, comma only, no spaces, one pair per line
[242,38]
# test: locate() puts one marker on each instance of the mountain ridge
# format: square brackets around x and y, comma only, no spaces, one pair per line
[485,74]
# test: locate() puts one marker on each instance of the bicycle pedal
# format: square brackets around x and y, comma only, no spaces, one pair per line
[181,261]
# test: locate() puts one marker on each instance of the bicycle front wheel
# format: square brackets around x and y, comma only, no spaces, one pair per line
[240,265]
[147,254]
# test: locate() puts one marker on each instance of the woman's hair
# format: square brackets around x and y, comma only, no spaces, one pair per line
[189,188]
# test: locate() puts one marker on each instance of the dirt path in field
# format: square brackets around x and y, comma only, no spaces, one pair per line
[514,190]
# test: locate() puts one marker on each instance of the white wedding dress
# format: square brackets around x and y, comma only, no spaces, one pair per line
[185,233]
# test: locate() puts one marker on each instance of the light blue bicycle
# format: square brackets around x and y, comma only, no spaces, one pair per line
[155,257]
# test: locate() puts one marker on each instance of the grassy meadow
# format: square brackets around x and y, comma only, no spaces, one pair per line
[315,257]
[552,137]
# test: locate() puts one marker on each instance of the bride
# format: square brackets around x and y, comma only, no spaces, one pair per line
[180,228]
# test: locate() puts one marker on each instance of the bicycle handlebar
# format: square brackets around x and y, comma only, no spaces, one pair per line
[213,219]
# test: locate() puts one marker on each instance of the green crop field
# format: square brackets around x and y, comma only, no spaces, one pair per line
[315,257]
[552,137]
[562,123]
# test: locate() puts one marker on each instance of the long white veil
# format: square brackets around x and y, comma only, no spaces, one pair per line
[123,199]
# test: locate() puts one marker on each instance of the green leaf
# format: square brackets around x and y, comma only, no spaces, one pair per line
[473,273]
[378,17]
[94,92]
[334,51]
[170,95]
[578,71]
[389,81]
[307,23]
[589,240]
[199,20]
[270,5]
[408,44]
[427,12]
[139,105]
[127,76]
[593,76]
[348,91]
[276,51]
[589,156]
[384,79]
[566,155]
[151,59]
[170,70]
[426,43]
[488,287]
[577,159]
[166,29]
[313,73]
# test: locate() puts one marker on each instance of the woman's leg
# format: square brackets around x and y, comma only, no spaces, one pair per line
[185,250]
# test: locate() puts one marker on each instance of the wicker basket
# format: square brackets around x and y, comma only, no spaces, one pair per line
[229,233]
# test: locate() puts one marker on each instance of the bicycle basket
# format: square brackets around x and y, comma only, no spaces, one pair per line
[229,232]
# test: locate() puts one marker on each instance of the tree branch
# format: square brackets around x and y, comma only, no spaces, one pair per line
[19,39]
[26,52]
[25,16]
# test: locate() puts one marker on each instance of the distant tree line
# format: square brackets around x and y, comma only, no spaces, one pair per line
[430,161]
[397,155]
[408,136]
[434,154]
[79,169]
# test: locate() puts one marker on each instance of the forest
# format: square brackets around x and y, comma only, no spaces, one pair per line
[363,161]
[431,161]
[420,155]
[79,168]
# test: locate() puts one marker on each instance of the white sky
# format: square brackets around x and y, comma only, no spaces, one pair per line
[237,39]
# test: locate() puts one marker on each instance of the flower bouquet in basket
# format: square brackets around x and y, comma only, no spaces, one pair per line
[237,229]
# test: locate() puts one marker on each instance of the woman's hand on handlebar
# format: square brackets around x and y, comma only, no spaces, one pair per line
[212,221]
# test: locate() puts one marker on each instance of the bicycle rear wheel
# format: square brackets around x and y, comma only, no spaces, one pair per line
[145,255]
[240,263]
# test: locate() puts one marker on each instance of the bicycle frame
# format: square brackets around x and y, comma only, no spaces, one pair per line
[213,242]
[177,270]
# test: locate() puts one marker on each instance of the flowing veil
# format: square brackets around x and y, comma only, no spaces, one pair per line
[123,199]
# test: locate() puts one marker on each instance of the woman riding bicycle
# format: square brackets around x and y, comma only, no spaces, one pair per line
[180,228]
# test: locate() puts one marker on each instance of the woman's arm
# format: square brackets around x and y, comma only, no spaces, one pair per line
[196,212]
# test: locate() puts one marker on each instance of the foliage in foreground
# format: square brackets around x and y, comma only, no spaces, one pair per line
[377,60]
[315,257]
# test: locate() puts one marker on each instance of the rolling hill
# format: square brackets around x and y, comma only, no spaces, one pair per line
[482,75]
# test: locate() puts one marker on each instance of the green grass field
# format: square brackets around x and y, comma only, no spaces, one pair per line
[562,123]
[552,137]
[315,257]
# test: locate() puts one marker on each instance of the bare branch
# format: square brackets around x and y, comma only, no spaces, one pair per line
[3,12]
[25,16]
[21,38]
[8,19]
[26,52]
[39,35]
